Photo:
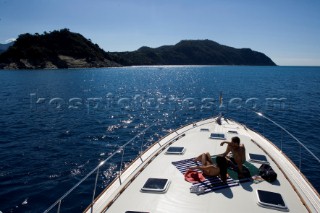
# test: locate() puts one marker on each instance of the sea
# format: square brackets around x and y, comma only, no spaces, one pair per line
[57,125]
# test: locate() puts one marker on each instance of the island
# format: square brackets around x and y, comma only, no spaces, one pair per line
[65,49]
[4,47]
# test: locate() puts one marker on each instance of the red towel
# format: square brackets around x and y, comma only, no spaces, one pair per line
[194,176]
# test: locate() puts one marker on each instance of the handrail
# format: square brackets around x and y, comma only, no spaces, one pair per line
[95,169]
[121,149]
[281,127]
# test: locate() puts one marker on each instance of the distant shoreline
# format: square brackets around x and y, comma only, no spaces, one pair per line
[154,66]
[65,49]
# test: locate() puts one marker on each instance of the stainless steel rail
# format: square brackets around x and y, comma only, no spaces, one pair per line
[121,149]
[96,169]
[292,136]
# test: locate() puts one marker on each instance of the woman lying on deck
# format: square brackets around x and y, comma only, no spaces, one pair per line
[210,169]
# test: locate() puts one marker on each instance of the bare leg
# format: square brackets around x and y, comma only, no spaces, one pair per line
[199,158]
[205,159]
[209,159]
[241,159]
[239,164]
[243,153]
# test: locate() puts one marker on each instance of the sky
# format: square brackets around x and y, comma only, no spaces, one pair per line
[288,31]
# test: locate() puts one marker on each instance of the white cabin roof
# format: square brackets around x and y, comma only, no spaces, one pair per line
[297,193]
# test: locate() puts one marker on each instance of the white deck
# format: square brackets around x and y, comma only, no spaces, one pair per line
[178,198]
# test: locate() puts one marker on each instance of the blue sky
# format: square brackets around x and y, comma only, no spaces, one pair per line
[288,31]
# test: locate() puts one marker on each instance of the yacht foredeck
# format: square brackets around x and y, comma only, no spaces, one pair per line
[124,193]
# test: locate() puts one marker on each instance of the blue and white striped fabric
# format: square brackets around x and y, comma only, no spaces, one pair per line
[184,165]
[211,183]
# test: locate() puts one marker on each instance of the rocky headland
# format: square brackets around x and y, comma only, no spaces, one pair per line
[65,49]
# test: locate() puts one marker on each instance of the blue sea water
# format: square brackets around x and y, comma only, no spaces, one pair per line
[57,125]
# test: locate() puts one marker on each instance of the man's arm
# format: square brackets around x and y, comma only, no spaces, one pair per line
[227,150]
[223,142]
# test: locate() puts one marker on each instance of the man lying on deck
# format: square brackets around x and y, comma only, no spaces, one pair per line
[238,151]
[210,169]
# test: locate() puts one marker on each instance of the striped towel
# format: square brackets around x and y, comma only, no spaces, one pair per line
[211,183]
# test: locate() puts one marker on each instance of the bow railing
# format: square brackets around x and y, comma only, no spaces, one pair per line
[292,150]
[97,171]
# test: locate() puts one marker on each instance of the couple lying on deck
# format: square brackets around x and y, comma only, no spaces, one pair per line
[210,169]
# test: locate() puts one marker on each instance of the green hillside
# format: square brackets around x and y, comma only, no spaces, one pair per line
[194,52]
[65,49]
[58,49]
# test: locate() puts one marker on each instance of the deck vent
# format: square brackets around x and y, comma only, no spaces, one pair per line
[219,136]
[204,130]
[176,150]
[233,132]
[156,185]
[271,200]
[256,158]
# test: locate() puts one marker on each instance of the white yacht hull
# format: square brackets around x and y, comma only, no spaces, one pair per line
[124,194]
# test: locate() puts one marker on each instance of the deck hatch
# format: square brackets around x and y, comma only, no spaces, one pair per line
[271,200]
[220,136]
[156,185]
[233,132]
[257,158]
[175,150]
